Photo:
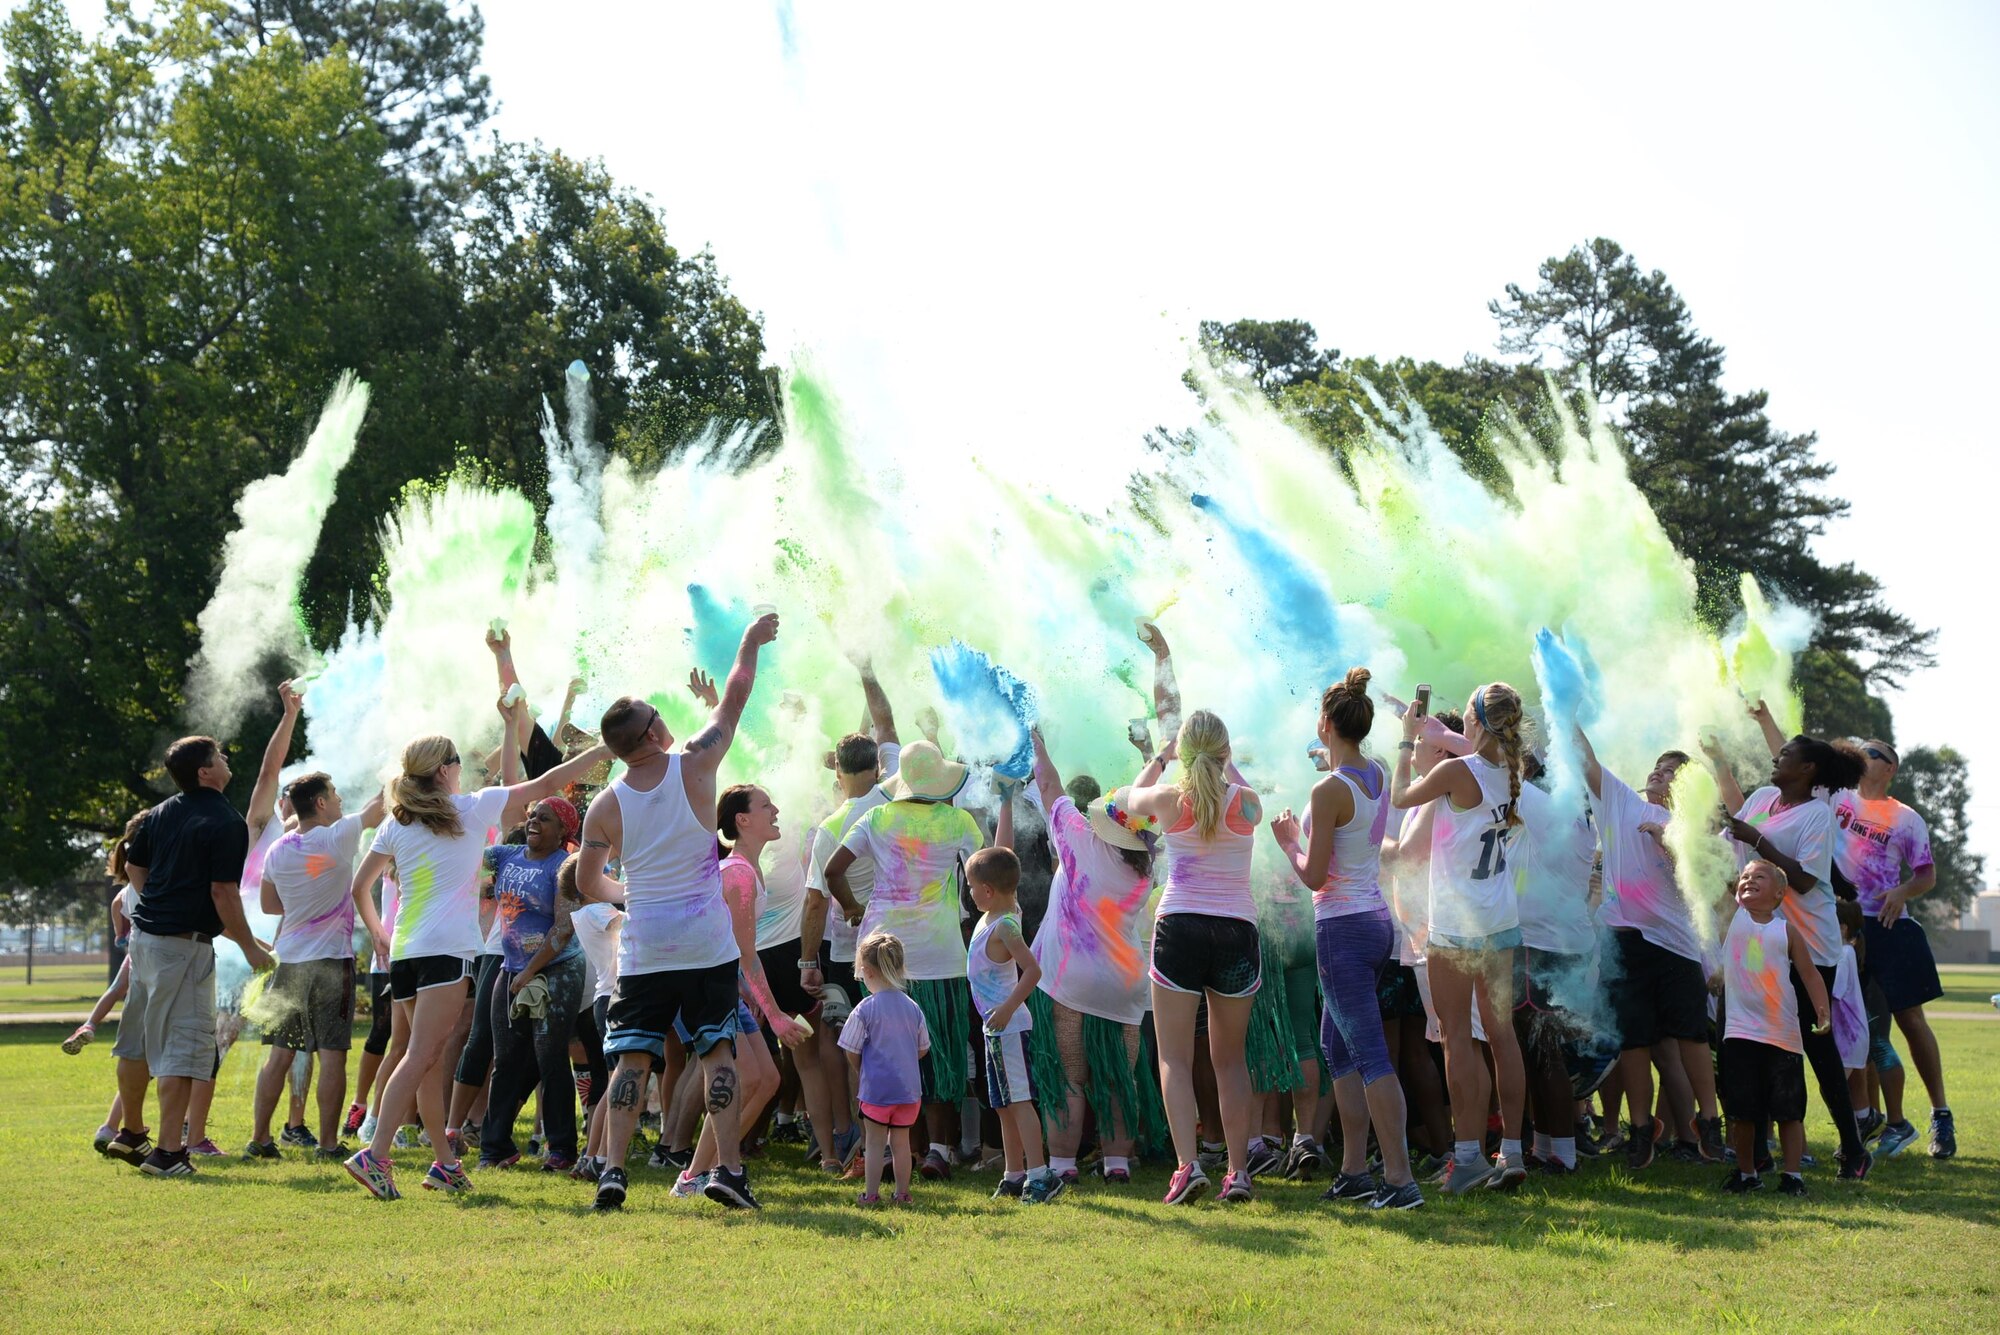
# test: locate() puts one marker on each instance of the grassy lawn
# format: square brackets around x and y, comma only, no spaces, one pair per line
[296,1246]
[57,987]
[1968,986]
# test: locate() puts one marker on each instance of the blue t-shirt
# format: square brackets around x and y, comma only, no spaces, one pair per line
[524,897]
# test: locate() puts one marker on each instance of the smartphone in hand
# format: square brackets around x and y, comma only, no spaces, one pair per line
[1422,704]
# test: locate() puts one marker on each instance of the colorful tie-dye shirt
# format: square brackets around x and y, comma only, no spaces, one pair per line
[313,872]
[1878,838]
[916,848]
[1804,833]
[1092,941]
[1639,890]
[1760,1003]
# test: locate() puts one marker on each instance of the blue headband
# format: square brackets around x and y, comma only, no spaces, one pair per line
[1479,707]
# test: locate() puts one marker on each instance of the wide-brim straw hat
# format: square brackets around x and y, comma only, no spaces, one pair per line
[924,774]
[1113,820]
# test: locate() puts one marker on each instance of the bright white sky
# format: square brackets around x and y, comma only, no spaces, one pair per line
[945,203]
[947,198]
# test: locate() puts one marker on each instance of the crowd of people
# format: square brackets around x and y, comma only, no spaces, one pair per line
[1453,980]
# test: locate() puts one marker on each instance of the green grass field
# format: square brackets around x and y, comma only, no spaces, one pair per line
[93,1245]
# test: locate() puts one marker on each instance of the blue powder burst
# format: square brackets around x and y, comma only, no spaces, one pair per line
[1298,600]
[990,710]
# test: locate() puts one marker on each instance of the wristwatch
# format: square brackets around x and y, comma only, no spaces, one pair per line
[808,964]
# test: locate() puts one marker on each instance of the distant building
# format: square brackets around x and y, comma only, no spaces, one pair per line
[1983,915]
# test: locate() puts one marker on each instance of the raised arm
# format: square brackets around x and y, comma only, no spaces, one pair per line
[1003,824]
[1166,690]
[264,797]
[1725,777]
[373,811]
[569,703]
[1768,725]
[1593,773]
[1048,783]
[521,796]
[705,750]
[502,645]
[881,718]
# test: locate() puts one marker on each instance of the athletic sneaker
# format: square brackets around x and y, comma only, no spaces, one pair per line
[610,1189]
[101,1141]
[1118,1176]
[1738,1185]
[1428,1165]
[468,1134]
[1855,1172]
[788,1133]
[1010,1188]
[423,1138]
[447,1179]
[1212,1161]
[1264,1157]
[1708,1138]
[205,1149]
[1870,1124]
[1789,1185]
[300,1136]
[1613,1141]
[1944,1136]
[1187,1184]
[663,1159]
[487,1161]
[332,1153]
[162,1164]
[1041,1190]
[1235,1187]
[1463,1177]
[730,1189]
[268,1150]
[846,1144]
[366,1131]
[1896,1137]
[1685,1151]
[1508,1174]
[1409,1196]
[357,1113]
[130,1147]
[586,1170]
[558,1163]
[1303,1160]
[404,1141]
[868,1198]
[535,1145]
[935,1167]
[1639,1146]
[456,1143]
[1586,1138]
[688,1185]
[377,1175]
[1352,1187]
[901,1198]
[1555,1168]
[79,1040]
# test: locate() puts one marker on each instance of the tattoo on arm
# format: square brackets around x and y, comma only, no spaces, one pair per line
[597,843]
[710,736]
[722,1089]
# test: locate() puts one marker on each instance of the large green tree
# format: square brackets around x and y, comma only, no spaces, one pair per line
[204,218]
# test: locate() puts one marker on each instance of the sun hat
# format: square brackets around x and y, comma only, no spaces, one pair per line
[925,775]
[1113,820]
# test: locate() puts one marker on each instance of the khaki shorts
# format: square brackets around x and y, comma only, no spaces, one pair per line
[169,1017]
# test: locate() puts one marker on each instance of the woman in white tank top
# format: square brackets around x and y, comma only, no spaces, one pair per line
[1205,941]
[1474,924]
[1353,937]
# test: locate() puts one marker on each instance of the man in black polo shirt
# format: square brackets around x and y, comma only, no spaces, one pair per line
[185,861]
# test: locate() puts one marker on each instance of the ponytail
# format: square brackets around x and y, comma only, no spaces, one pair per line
[1203,742]
[416,797]
[1836,765]
[1498,710]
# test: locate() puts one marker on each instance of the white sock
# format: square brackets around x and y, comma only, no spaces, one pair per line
[785,1118]
[1301,1138]
[1117,1161]
[1014,1177]
[1057,1164]
[1510,1150]
[1465,1151]
[1543,1150]
[943,1152]
[1038,1172]
[1214,1147]
[1565,1150]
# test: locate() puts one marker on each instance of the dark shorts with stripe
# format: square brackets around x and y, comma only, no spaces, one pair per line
[645,1006]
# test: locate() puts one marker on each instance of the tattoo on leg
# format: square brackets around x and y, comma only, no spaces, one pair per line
[722,1089]
[625,1089]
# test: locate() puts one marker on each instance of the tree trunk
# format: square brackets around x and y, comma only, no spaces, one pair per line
[31,952]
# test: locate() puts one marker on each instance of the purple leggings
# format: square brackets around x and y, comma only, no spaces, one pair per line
[1352,952]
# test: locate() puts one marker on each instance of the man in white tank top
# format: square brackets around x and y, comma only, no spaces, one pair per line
[677,958]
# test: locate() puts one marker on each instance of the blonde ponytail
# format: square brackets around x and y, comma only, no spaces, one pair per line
[416,796]
[1203,745]
[1499,713]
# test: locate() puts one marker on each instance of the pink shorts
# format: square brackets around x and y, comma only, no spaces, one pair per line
[891,1114]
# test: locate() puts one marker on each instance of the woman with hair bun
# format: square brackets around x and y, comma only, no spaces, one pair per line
[1475,923]
[1205,942]
[1790,823]
[436,836]
[1353,935]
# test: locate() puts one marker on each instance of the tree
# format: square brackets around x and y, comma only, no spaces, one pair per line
[201,226]
[1733,492]
[1936,783]
[1271,354]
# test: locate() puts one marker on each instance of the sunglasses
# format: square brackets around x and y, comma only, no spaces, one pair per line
[1875,753]
[452,759]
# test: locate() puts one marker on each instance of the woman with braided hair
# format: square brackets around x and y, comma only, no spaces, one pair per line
[1475,924]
